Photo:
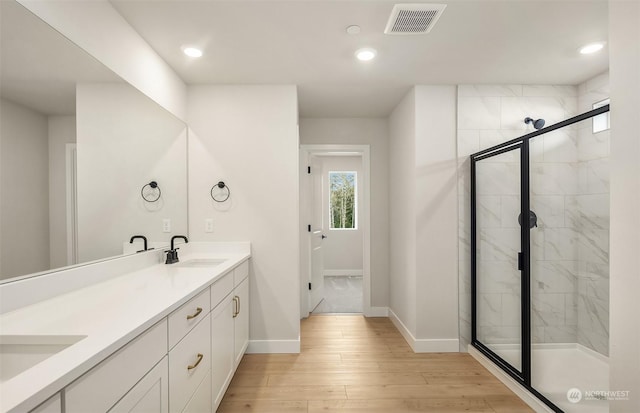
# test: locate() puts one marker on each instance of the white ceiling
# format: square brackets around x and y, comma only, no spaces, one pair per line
[40,67]
[304,42]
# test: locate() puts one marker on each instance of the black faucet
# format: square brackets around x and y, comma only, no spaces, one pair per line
[172,254]
[143,239]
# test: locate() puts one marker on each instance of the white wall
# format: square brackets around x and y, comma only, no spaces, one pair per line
[375,133]
[423,218]
[62,130]
[99,29]
[402,212]
[436,216]
[342,249]
[624,52]
[25,191]
[247,137]
[125,141]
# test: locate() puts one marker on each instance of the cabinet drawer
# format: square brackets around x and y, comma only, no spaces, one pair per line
[221,288]
[201,400]
[105,384]
[240,273]
[182,320]
[184,380]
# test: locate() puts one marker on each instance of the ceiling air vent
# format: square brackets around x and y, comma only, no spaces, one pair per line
[413,18]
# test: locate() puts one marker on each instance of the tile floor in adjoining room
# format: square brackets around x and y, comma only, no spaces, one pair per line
[342,294]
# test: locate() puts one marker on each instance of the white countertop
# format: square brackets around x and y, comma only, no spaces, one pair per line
[110,313]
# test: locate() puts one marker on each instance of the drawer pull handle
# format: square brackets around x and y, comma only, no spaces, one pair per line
[194,315]
[238,304]
[193,366]
[235,305]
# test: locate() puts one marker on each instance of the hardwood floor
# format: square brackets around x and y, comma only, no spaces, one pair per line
[357,364]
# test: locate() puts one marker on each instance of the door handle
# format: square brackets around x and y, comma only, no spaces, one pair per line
[520,262]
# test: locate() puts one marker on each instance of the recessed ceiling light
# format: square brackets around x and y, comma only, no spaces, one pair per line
[365,54]
[353,29]
[591,48]
[192,51]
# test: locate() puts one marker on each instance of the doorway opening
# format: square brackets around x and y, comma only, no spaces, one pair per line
[335,234]
[71,161]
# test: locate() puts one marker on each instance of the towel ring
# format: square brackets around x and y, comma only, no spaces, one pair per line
[154,192]
[220,196]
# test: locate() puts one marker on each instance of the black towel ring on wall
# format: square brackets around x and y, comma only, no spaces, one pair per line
[220,195]
[152,192]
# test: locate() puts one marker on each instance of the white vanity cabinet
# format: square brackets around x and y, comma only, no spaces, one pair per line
[182,364]
[103,386]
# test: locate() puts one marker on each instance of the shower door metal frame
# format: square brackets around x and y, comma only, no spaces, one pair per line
[523,377]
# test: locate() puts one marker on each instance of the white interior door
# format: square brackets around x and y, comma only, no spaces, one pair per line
[316,293]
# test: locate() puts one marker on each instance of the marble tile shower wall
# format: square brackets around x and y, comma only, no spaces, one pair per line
[591,216]
[489,115]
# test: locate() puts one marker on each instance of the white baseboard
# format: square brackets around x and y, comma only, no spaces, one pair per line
[335,273]
[425,345]
[273,346]
[508,381]
[451,345]
[377,312]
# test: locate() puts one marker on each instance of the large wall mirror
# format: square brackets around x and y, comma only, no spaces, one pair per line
[77,147]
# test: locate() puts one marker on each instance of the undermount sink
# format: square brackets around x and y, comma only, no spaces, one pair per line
[201,262]
[20,353]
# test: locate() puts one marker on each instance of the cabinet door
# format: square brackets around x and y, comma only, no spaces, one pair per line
[241,320]
[102,386]
[150,395]
[222,348]
[53,405]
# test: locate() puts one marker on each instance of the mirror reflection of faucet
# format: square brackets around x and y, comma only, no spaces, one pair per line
[144,239]
[172,254]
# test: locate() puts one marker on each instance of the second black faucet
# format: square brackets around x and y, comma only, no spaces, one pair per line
[172,254]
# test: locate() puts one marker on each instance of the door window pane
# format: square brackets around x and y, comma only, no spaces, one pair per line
[342,199]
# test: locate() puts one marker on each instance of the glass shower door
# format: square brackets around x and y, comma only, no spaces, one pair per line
[497,189]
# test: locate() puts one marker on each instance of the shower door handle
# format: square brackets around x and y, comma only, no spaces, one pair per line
[520,262]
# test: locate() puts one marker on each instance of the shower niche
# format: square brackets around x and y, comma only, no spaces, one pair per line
[539,261]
